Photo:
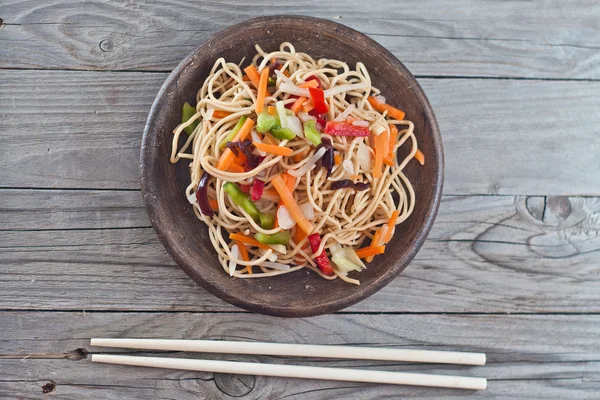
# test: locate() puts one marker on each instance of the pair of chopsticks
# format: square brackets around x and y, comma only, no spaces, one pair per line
[297,371]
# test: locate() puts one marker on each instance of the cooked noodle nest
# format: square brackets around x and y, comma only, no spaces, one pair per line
[344,216]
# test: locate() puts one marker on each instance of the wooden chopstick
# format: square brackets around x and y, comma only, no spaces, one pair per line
[296,350]
[297,371]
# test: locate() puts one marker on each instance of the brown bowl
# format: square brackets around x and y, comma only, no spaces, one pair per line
[301,293]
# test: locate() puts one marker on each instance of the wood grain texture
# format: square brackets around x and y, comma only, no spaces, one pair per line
[83,129]
[500,39]
[484,254]
[536,363]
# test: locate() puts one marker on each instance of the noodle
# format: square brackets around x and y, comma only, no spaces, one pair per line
[345,217]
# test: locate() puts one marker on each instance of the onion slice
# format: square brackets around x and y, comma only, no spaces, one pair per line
[294,124]
[364,157]
[308,211]
[361,122]
[348,167]
[284,218]
[281,113]
[235,254]
[306,167]
[293,89]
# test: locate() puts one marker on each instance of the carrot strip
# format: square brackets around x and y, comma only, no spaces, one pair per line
[268,139]
[227,157]
[338,159]
[291,204]
[243,250]
[391,224]
[235,167]
[271,195]
[286,73]
[246,78]
[244,254]
[420,157]
[277,150]
[290,182]
[214,205]
[367,252]
[271,110]
[298,236]
[240,159]
[310,84]
[253,75]
[248,240]
[221,114]
[355,177]
[262,90]
[387,160]
[381,107]
[300,156]
[379,154]
[375,242]
[298,103]
[308,107]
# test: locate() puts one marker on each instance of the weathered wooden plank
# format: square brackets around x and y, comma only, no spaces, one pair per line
[497,39]
[71,209]
[526,354]
[484,254]
[83,130]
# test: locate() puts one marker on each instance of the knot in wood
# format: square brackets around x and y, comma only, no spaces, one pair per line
[235,385]
[106,45]
[48,387]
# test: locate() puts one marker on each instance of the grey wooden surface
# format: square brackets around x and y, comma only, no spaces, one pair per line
[510,268]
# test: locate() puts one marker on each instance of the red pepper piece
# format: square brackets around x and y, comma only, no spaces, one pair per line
[345,129]
[258,187]
[322,259]
[318,98]
[245,188]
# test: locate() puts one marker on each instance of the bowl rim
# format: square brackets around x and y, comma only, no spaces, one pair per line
[281,310]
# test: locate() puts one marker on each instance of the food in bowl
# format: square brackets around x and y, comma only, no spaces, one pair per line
[293,164]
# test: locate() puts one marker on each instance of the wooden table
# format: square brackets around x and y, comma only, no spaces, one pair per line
[511,268]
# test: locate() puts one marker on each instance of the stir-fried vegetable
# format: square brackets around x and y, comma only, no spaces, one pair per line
[297,104]
[345,259]
[318,99]
[292,206]
[370,251]
[328,158]
[266,221]
[232,132]
[420,157]
[265,122]
[336,128]
[391,111]
[282,237]
[277,150]
[321,259]
[258,188]
[188,112]
[252,73]
[227,156]
[347,183]
[262,90]
[202,195]
[311,132]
